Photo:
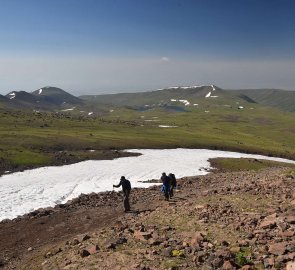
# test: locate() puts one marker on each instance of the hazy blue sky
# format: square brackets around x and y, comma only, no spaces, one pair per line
[103,46]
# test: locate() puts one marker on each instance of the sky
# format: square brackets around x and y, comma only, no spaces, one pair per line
[111,46]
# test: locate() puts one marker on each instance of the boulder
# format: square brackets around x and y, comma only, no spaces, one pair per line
[267,224]
[290,219]
[290,266]
[143,236]
[93,249]
[228,265]
[84,253]
[82,237]
[277,248]
[197,239]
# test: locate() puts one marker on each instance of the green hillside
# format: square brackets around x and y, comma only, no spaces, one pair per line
[284,100]
[36,138]
[281,99]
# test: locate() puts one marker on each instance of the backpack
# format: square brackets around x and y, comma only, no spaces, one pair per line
[127,184]
[172,179]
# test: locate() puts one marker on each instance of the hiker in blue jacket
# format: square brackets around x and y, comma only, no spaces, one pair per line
[172,184]
[126,188]
[166,185]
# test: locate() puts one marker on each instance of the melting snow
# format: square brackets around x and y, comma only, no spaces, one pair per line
[208,95]
[195,104]
[213,88]
[68,109]
[12,95]
[25,191]
[90,113]
[184,101]
[165,126]
[40,91]
[241,107]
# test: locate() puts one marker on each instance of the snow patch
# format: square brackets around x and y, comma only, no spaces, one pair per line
[70,109]
[40,91]
[208,95]
[166,126]
[12,95]
[90,113]
[23,192]
[184,101]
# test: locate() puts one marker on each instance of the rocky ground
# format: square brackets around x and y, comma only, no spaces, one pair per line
[232,220]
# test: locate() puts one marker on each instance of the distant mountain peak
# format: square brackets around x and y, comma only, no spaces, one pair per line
[187,87]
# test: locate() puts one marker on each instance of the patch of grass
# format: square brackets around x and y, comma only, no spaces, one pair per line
[242,164]
[125,128]
[172,264]
[243,257]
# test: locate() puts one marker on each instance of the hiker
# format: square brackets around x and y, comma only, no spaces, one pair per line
[172,184]
[166,185]
[126,188]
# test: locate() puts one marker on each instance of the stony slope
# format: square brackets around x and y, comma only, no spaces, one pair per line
[218,221]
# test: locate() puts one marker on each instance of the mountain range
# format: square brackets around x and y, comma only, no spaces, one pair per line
[178,98]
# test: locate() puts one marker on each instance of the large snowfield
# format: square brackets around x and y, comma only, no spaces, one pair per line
[25,191]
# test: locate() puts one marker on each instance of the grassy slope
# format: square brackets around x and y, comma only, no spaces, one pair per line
[244,164]
[282,99]
[28,138]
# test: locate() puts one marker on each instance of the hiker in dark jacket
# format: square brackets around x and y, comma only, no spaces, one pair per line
[166,185]
[172,184]
[126,188]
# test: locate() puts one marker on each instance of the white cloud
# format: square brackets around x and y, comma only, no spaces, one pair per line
[165,59]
